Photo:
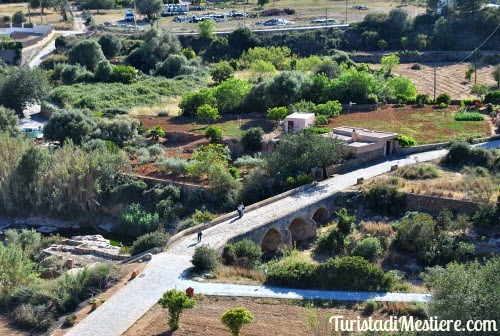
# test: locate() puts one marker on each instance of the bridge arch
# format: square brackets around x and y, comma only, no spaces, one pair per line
[299,229]
[321,215]
[271,240]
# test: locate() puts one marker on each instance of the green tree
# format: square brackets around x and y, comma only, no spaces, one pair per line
[329,109]
[235,318]
[172,66]
[404,42]
[207,113]
[353,85]
[403,87]
[111,45]
[496,75]
[308,150]
[382,44]
[214,134]
[345,222]
[262,3]
[97,4]
[443,36]
[416,232]
[75,125]
[176,302]
[103,71]
[206,160]
[421,41]
[466,6]
[251,139]
[389,62]
[468,73]
[262,70]
[288,87]
[241,40]
[480,90]
[206,29]
[21,87]
[221,72]
[465,291]
[368,248]
[193,100]
[16,268]
[149,8]
[18,17]
[231,94]
[204,259]
[86,53]
[8,120]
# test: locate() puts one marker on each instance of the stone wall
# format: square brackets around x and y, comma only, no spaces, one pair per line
[353,163]
[419,149]
[434,204]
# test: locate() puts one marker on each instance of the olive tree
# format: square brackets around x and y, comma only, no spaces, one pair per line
[8,120]
[87,53]
[176,302]
[149,8]
[111,45]
[75,125]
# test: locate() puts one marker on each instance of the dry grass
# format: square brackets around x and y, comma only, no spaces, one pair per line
[50,16]
[376,229]
[237,275]
[170,105]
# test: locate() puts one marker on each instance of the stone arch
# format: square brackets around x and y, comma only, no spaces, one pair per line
[299,229]
[271,240]
[321,216]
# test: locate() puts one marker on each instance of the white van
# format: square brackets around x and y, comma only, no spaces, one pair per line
[129,15]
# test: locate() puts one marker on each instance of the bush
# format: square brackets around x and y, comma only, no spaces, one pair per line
[18,17]
[207,113]
[135,221]
[229,254]
[103,71]
[492,98]
[156,150]
[469,116]
[368,248]
[277,113]
[221,72]
[149,240]
[416,172]
[329,109]
[248,161]
[331,243]
[443,98]
[111,45]
[370,306]
[176,166]
[385,199]
[251,139]
[33,317]
[123,74]
[233,171]
[235,318]
[321,120]
[172,66]
[246,248]
[422,99]
[345,222]
[461,154]
[214,134]
[176,301]
[416,67]
[204,259]
[291,272]
[406,141]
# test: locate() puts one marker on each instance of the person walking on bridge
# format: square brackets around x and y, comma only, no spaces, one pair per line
[199,235]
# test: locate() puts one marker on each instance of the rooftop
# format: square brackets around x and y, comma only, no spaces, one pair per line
[298,115]
[364,132]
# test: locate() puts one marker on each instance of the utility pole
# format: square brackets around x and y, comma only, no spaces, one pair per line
[434,83]
[41,12]
[135,14]
[475,66]
[345,11]
[29,12]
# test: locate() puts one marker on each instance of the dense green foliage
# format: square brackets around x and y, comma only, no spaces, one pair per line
[111,45]
[331,243]
[135,221]
[251,139]
[8,120]
[417,172]
[148,241]
[461,154]
[235,318]
[86,53]
[245,248]
[385,199]
[469,116]
[204,259]
[368,248]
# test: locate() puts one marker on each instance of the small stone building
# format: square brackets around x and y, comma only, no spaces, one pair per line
[296,122]
[362,142]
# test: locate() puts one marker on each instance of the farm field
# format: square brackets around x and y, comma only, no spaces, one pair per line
[50,16]
[450,78]
[425,125]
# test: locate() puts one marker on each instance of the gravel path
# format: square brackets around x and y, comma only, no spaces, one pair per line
[167,270]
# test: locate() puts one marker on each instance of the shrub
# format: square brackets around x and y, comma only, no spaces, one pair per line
[214,134]
[492,98]
[443,98]
[70,320]
[416,67]
[156,150]
[467,102]
[229,254]
[207,113]
[321,120]
[221,72]
[331,243]
[18,17]
[135,221]
[86,53]
[176,301]
[406,141]
[123,74]
[345,221]
[329,109]
[111,45]
[422,99]
[385,199]
[370,306]
[368,248]
[469,116]
[251,139]
[423,171]
[149,240]
[248,161]
[172,66]
[291,272]
[277,113]
[204,259]
[103,71]
[246,248]
[235,318]
[351,273]
[176,166]
[233,171]
[461,153]
[33,317]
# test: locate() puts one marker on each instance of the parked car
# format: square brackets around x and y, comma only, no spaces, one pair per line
[360,7]
[323,21]
[129,15]
[275,22]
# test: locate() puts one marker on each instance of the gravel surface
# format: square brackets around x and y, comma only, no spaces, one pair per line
[167,270]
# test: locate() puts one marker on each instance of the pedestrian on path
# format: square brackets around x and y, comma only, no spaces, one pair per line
[199,235]
[240,209]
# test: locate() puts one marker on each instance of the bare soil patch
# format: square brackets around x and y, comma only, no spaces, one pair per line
[271,317]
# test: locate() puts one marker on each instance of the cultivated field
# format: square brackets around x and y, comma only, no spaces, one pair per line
[450,78]
[425,125]
[49,16]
